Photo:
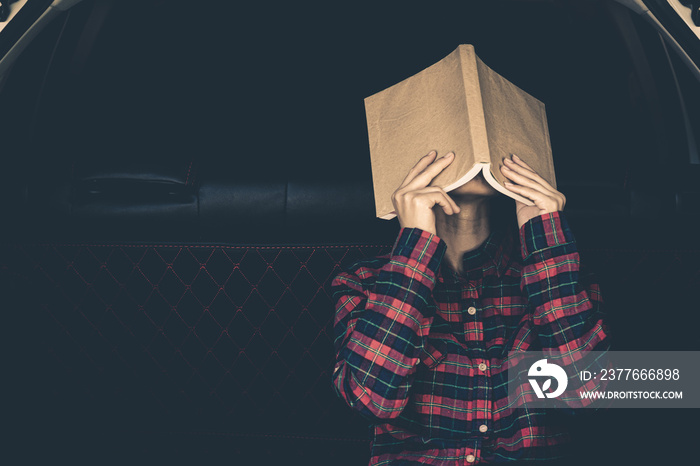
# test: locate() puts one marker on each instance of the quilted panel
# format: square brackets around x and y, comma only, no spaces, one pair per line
[187,336]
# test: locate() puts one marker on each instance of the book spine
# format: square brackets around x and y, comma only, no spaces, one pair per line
[548,144]
[475,106]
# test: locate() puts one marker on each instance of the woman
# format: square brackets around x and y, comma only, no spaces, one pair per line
[421,333]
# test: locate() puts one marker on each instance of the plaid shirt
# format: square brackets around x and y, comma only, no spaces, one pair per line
[418,346]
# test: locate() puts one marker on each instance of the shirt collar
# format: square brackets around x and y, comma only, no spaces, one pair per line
[494,253]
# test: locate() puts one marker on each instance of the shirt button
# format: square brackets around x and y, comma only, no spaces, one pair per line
[483,428]
[482,367]
[471,310]
[471,458]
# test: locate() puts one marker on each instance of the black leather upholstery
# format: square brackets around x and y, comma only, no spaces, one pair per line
[169,234]
[165,347]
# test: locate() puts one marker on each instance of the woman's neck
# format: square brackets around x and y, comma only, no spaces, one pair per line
[464,231]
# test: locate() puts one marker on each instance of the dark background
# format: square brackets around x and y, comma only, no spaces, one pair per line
[210,126]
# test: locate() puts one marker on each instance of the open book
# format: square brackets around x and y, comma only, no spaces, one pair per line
[461,105]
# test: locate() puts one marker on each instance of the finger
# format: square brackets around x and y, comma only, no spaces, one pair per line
[523,180]
[557,194]
[438,189]
[540,199]
[432,194]
[518,160]
[455,207]
[519,164]
[444,201]
[419,167]
[424,178]
[527,172]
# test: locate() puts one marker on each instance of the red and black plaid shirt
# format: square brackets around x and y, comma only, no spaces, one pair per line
[418,346]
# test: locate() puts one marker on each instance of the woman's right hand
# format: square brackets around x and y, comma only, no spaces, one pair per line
[414,199]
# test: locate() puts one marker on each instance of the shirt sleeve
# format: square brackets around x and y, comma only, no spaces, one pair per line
[566,303]
[382,319]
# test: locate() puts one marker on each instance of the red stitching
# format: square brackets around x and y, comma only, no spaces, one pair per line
[240,434]
[693,251]
[187,179]
[195,246]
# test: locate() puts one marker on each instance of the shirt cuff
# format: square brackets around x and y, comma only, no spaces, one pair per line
[420,248]
[544,232]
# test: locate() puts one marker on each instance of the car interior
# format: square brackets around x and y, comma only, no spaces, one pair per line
[181,181]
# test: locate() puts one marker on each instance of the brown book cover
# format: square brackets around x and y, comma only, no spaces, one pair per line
[458,104]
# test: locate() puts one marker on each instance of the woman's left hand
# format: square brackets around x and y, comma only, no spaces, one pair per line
[527,183]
